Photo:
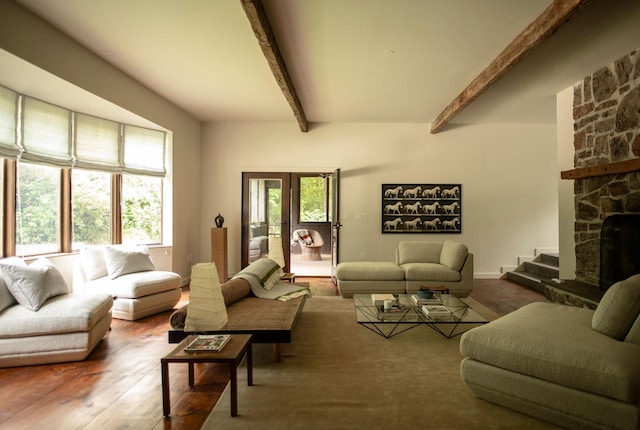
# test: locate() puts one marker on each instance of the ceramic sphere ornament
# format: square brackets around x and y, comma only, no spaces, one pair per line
[219,220]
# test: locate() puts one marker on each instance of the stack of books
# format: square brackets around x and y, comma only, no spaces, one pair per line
[208,342]
[417,300]
[435,311]
[395,313]
[378,299]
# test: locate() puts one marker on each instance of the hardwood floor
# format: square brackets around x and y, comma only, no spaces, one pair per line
[118,386]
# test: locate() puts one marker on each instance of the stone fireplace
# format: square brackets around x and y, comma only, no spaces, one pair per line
[606,111]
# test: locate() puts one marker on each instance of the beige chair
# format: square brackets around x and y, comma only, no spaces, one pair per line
[310,243]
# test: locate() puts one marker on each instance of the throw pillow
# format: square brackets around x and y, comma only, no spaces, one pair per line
[453,254]
[305,237]
[35,284]
[634,333]
[6,298]
[122,260]
[93,264]
[618,309]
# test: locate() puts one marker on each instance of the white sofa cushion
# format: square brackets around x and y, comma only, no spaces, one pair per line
[419,252]
[61,314]
[453,254]
[35,284]
[122,260]
[430,272]
[135,285]
[6,298]
[369,271]
[93,264]
[618,309]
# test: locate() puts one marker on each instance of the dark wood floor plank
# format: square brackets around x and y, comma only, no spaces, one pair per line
[119,385]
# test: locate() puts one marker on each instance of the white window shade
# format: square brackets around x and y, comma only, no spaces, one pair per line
[46,136]
[97,144]
[144,151]
[8,123]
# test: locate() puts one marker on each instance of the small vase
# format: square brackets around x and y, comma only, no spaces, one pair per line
[219,220]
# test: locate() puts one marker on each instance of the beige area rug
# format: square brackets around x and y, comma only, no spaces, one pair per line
[337,374]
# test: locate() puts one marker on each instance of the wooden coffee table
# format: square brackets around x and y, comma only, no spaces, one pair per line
[232,354]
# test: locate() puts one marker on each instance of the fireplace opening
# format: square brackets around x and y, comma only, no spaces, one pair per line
[619,248]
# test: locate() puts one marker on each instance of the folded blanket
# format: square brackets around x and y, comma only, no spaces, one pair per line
[264,277]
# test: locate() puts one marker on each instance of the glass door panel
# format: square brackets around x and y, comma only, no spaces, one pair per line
[265,216]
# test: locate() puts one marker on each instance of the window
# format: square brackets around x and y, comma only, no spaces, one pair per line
[313,199]
[141,209]
[91,207]
[77,179]
[37,209]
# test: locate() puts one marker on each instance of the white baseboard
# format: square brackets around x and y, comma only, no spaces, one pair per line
[488,275]
[505,269]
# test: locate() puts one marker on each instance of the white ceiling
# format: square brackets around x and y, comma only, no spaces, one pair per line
[350,60]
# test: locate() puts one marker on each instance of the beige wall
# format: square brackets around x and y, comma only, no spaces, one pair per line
[24,36]
[508,175]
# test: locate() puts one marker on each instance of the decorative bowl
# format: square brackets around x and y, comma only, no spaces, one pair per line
[425,294]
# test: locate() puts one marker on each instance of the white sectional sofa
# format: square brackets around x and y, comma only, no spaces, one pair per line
[41,322]
[447,264]
[128,274]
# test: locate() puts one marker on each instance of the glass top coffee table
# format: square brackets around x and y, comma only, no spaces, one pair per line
[456,319]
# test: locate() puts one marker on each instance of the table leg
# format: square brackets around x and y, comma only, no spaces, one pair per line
[233,377]
[191,377]
[166,392]
[249,366]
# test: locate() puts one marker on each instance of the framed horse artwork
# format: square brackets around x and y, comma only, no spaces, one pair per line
[421,208]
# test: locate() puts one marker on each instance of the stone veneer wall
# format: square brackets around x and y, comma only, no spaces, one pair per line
[606,112]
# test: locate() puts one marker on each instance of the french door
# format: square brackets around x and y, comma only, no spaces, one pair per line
[269,212]
[265,215]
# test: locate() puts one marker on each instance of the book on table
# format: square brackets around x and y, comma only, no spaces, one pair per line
[394,313]
[208,342]
[435,310]
[378,299]
[417,300]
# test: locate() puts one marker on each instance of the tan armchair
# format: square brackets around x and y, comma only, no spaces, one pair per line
[310,243]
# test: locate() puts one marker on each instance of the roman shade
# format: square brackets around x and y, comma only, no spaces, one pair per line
[46,133]
[97,143]
[144,151]
[8,119]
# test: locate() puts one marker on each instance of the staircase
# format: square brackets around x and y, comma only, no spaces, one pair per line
[531,273]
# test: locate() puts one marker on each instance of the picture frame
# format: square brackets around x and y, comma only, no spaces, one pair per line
[421,208]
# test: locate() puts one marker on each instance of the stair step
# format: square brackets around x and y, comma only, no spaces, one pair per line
[541,269]
[528,280]
[551,259]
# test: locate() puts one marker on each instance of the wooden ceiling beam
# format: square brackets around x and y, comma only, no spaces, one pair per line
[559,12]
[267,40]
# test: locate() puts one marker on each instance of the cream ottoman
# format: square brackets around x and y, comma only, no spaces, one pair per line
[365,277]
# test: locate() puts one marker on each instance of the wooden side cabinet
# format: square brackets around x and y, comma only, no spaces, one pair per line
[219,252]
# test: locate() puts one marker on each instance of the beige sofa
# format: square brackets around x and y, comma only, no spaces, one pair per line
[40,322]
[418,263]
[128,274]
[574,367]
